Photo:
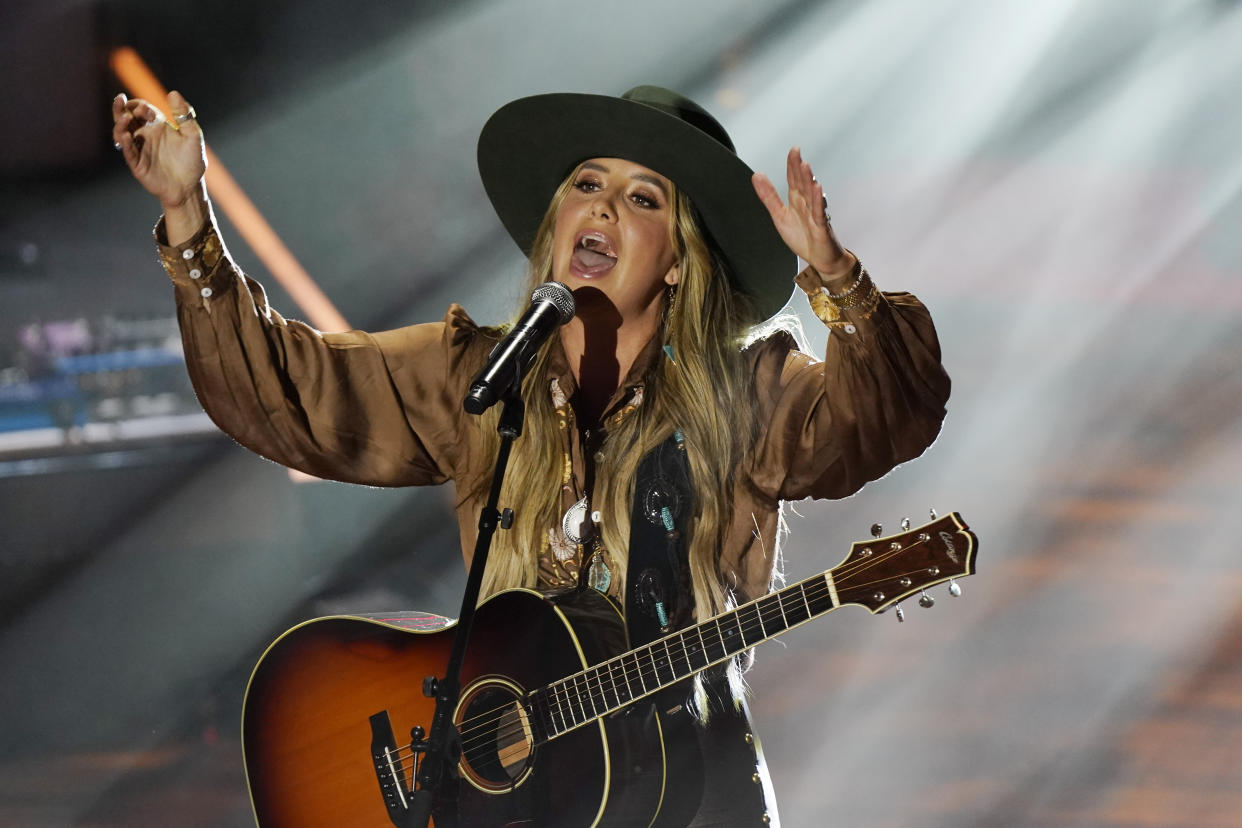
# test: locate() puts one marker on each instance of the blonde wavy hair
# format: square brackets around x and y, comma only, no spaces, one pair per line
[706,324]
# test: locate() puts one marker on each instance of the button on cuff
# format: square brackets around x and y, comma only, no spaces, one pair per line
[205,293]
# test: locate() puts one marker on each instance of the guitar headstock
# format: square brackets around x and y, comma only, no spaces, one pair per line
[885,570]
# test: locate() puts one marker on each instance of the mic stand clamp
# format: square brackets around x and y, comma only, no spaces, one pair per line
[437,778]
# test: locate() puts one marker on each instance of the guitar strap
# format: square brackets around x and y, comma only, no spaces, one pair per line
[658,598]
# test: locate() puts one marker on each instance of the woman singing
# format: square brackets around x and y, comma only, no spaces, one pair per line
[665,424]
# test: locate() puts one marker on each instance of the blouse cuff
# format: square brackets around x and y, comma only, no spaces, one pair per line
[193,264]
[849,309]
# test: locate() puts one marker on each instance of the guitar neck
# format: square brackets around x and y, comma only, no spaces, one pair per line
[876,574]
[583,697]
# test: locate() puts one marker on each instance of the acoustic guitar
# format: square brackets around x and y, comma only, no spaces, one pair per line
[557,722]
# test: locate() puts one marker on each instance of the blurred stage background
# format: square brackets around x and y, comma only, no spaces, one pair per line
[1060,182]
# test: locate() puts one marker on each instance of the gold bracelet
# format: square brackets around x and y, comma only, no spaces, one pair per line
[857,272]
[862,293]
[861,296]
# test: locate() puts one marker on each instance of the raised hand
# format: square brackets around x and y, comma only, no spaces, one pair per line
[167,158]
[803,222]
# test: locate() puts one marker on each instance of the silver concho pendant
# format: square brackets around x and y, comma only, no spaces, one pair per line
[571,523]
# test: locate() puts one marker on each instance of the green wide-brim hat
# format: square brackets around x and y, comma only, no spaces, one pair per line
[529,146]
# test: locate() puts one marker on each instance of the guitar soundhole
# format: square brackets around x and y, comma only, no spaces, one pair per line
[497,744]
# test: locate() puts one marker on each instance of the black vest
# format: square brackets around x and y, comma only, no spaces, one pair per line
[658,597]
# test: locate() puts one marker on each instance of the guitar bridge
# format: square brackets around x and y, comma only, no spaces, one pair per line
[390,769]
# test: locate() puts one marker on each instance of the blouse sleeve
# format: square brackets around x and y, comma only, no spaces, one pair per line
[875,401]
[380,409]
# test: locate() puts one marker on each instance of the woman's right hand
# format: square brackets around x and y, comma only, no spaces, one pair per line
[168,159]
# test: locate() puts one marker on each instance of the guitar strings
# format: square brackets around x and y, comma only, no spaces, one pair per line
[745,617]
[483,730]
[483,727]
[764,612]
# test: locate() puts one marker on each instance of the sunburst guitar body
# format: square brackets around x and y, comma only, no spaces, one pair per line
[313,757]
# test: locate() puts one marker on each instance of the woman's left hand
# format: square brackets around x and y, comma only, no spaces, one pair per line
[803,222]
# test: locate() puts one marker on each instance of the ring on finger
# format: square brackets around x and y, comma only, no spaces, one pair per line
[186,116]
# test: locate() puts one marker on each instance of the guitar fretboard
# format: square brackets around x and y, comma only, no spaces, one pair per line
[583,697]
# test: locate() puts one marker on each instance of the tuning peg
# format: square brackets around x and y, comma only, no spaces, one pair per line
[926,601]
[954,589]
[933,514]
[901,614]
[905,524]
[877,530]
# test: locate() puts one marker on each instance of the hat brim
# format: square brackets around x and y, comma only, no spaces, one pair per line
[529,145]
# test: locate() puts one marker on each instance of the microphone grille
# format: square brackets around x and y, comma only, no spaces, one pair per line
[559,296]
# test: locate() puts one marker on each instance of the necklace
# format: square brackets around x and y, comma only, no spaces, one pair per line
[599,576]
[571,528]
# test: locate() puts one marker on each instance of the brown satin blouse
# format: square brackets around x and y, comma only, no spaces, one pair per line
[385,409]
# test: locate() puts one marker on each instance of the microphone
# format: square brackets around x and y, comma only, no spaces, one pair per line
[551,305]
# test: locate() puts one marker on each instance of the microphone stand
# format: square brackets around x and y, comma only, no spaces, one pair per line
[437,777]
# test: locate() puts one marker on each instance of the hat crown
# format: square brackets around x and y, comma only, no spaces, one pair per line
[683,109]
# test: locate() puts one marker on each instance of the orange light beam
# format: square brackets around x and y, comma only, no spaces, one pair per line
[224,189]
